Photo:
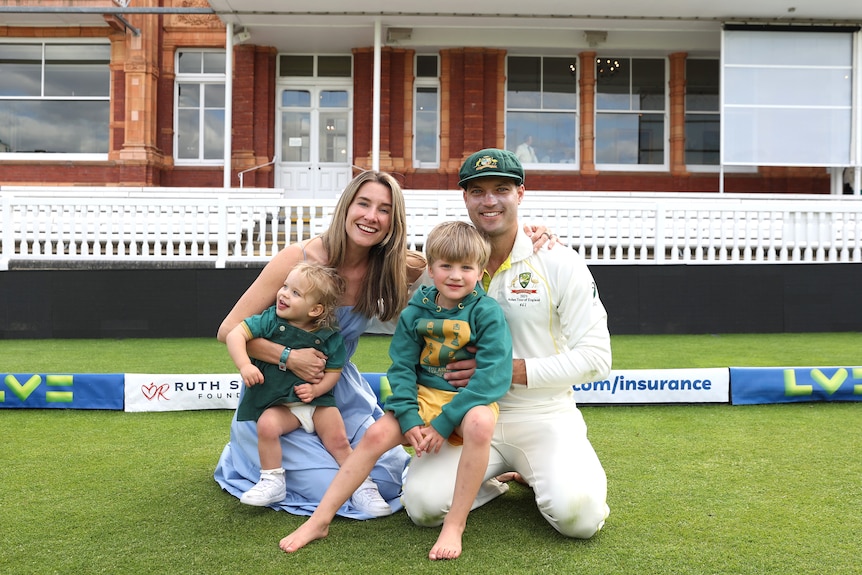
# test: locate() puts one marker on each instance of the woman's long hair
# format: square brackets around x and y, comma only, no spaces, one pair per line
[384,289]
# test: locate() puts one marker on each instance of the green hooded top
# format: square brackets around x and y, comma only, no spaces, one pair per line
[428,337]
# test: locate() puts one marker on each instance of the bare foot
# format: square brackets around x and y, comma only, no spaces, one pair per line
[511,476]
[305,534]
[448,545]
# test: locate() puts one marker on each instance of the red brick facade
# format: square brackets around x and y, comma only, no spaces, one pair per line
[472,92]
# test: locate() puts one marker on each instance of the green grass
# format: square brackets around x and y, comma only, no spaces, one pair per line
[706,489]
[206,355]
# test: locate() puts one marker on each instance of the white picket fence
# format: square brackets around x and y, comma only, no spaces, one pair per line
[71,227]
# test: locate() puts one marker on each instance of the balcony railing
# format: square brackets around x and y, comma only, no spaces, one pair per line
[80,227]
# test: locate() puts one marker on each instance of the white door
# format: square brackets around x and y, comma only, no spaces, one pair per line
[314,159]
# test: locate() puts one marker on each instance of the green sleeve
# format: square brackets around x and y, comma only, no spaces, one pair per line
[404,352]
[336,352]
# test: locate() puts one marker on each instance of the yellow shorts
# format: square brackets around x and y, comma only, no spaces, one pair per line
[431,402]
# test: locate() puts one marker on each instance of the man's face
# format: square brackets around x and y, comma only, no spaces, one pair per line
[492,204]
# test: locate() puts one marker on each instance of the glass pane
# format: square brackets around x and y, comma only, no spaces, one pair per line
[77,70]
[426,99]
[787,136]
[189,62]
[333,136]
[293,65]
[96,53]
[334,66]
[296,99]
[788,48]
[81,80]
[333,98]
[523,87]
[426,137]
[213,134]
[189,96]
[188,137]
[426,66]
[559,84]
[648,84]
[701,85]
[213,62]
[613,90]
[769,87]
[295,136]
[54,126]
[214,95]
[617,139]
[702,139]
[543,137]
[426,125]
[651,139]
[21,70]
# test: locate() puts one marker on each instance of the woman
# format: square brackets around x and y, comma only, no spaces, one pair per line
[366,243]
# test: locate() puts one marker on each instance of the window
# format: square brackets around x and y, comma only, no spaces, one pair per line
[301,110]
[55,98]
[334,114]
[200,113]
[630,112]
[311,66]
[702,117]
[542,109]
[426,113]
[788,97]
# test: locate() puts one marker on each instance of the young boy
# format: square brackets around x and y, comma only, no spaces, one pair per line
[280,402]
[440,322]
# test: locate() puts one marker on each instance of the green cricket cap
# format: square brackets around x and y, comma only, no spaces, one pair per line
[491,162]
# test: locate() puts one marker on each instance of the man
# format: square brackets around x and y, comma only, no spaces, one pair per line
[525,152]
[560,339]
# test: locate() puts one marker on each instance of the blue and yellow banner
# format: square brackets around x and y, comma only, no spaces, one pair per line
[62,391]
[172,392]
[752,385]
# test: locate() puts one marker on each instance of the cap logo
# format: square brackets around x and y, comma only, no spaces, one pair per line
[485,162]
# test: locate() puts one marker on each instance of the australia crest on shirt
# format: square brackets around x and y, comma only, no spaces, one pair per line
[524,289]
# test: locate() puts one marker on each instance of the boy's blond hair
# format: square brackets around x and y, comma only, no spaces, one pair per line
[327,286]
[457,242]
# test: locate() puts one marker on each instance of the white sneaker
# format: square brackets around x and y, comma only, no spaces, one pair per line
[270,489]
[368,500]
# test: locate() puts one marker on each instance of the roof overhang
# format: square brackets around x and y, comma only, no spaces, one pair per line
[337,26]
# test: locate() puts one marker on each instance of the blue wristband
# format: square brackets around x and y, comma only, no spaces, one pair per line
[282,363]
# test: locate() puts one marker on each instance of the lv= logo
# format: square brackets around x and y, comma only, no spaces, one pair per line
[23,390]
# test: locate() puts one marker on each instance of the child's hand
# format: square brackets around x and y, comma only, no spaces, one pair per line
[251,375]
[414,438]
[432,440]
[304,391]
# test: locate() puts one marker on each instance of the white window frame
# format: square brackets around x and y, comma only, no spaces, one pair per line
[665,165]
[787,122]
[707,168]
[574,164]
[200,79]
[74,156]
[426,82]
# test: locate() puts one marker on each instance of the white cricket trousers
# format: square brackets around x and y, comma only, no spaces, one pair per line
[550,451]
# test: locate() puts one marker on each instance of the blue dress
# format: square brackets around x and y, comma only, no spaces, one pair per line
[309,468]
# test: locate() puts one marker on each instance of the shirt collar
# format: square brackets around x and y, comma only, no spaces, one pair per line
[522,249]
